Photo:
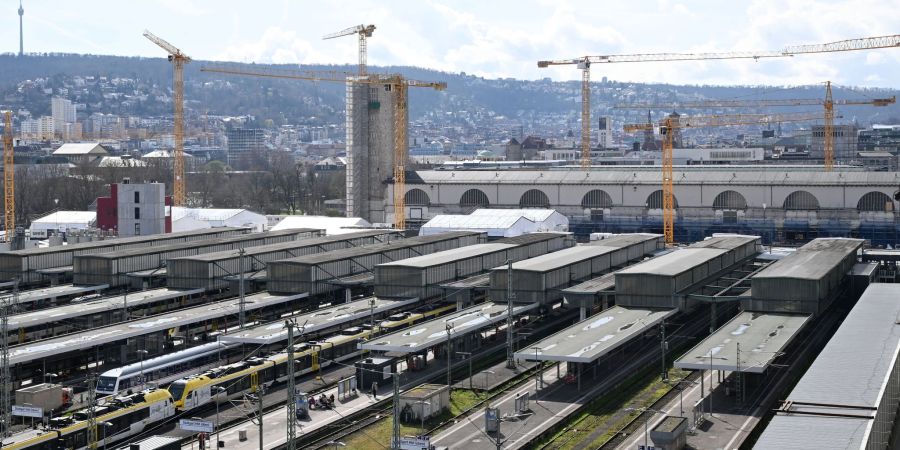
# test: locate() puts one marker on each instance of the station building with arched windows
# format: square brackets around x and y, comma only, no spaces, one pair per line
[780,203]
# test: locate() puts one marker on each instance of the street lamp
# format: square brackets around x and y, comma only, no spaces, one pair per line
[449,328]
[681,392]
[142,353]
[468,356]
[508,418]
[217,390]
[538,372]
[711,357]
[646,422]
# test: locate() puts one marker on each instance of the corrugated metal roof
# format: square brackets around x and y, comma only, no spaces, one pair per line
[852,369]
[561,258]
[192,244]
[448,256]
[121,241]
[374,249]
[594,285]
[331,225]
[262,249]
[674,263]
[531,238]
[812,261]
[725,242]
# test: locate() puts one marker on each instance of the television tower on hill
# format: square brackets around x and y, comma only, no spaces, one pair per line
[21,45]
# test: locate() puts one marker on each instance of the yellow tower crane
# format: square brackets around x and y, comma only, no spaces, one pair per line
[178,60]
[363,31]
[9,180]
[667,132]
[397,84]
[828,103]
[584,63]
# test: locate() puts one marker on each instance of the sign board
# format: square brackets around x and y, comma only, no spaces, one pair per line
[346,385]
[28,411]
[415,443]
[200,426]
[491,420]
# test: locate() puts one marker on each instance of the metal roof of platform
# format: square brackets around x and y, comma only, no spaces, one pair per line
[63,290]
[320,319]
[762,337]
[88,339]
[848,381]
[73,310]
[588,340]
[428,334]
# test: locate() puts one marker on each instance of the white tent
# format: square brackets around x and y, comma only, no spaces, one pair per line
[544,219]
[62,221]
[494,226]
[186,219]
[331,225]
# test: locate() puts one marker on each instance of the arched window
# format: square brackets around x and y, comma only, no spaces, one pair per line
[655,200]
[730,200]
[534,198]
[875,201]
[596,199]
[801,201]
[474,198]
[416,197]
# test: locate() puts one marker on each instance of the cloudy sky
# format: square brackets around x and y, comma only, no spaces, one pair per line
[492,38]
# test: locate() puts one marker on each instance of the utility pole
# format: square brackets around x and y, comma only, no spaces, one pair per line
[8,304]
[449,330]
[510,296]
[91,417]
[662,348]
[291,400]
[372,316]
[259,398]
[241,301]
[395,433]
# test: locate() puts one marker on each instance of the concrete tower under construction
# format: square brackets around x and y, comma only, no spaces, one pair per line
[370,148]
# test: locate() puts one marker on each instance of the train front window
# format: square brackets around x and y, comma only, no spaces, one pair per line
[177,389]
[106,384]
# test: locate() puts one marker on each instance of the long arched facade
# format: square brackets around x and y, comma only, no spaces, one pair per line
[474,198]
[655,200]
[416,197]
[801,201]
[875,201]
[731,200]
[534,198]
[596,199]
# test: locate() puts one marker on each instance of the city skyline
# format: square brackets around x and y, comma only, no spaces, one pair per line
[494,40]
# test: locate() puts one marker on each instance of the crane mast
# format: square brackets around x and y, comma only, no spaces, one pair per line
[9,181]
[667,130]
[363,32]
[178,60]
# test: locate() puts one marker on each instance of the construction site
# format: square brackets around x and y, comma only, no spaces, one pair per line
[566,306]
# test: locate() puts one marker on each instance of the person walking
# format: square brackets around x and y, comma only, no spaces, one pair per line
[375,390]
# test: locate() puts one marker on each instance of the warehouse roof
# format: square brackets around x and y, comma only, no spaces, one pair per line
[596,336]
[20,354]
[449,256]
[561,258]
[428,334]
[727,242]
[120,241]
[812,261]
[312,321]
[853,369]
[674,263]
[531,238]
[72,310]
[761,337]
[262,249]
[481,280]
[373,249]
[193,244]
